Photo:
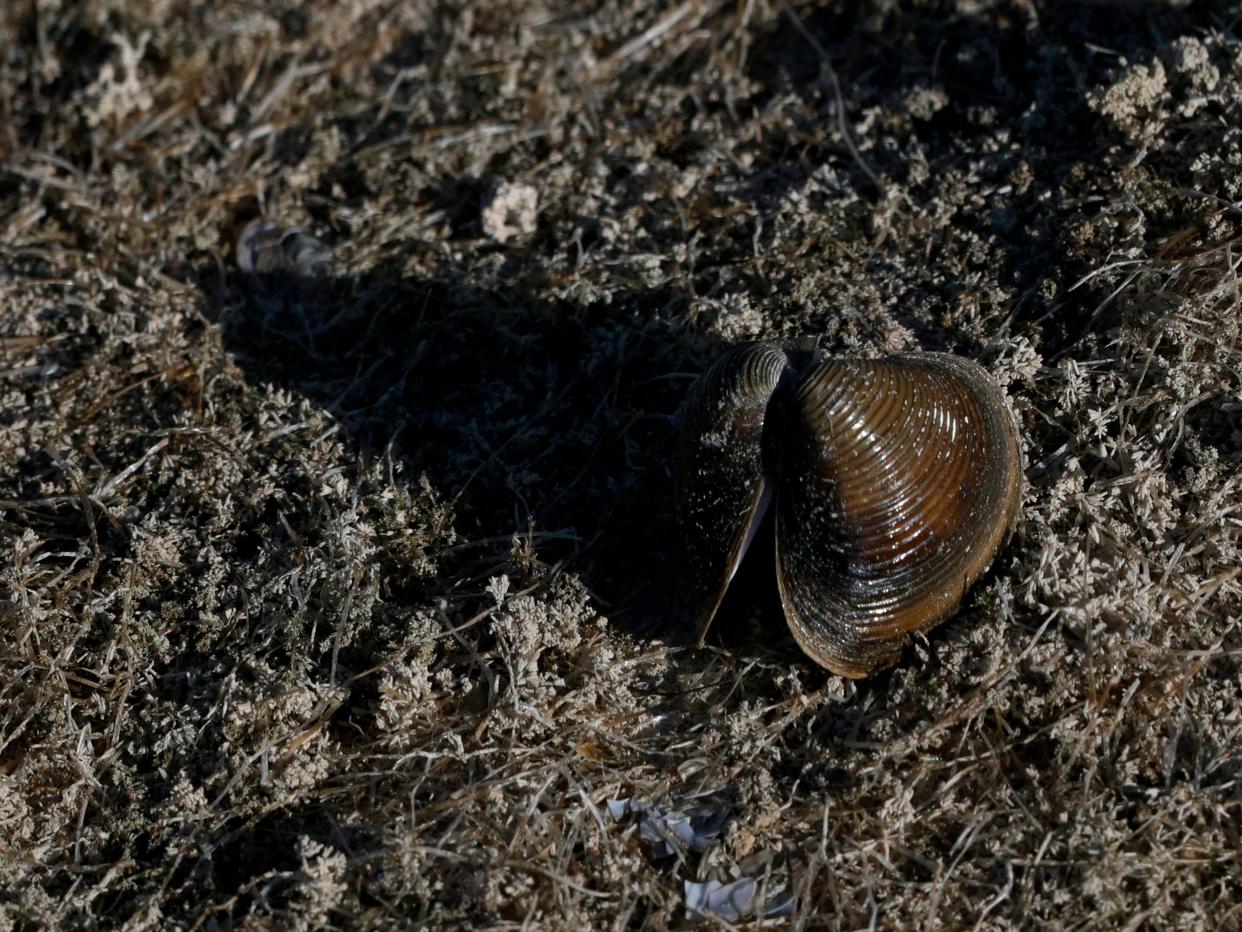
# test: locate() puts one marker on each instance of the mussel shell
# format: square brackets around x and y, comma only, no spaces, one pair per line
[895,481]
[899,480]
[720,468]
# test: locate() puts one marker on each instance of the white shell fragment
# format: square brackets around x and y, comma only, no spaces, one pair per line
[671,831]
[700,828]
[735,901]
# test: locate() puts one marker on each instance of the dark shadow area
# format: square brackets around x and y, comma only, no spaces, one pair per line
[551,424]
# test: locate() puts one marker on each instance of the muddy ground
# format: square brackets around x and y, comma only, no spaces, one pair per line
[349,598]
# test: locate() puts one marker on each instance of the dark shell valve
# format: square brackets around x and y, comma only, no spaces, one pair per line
[894,483]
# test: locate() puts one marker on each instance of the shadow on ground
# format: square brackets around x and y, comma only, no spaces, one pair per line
[554,424]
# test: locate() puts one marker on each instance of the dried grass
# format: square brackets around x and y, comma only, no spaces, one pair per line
[348,602]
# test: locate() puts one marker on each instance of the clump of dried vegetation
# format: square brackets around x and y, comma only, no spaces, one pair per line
[348,601]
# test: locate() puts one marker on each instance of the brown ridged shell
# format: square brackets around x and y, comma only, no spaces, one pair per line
[895,482]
